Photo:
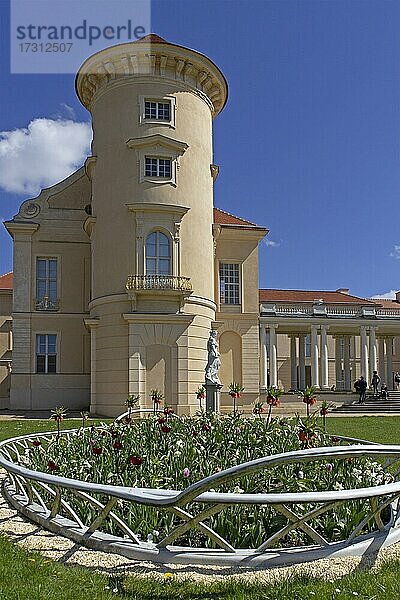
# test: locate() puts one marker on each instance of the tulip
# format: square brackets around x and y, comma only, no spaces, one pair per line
[135,460]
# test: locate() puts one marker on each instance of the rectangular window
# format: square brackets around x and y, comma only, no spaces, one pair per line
[46,353]
[157,167]
[158,111]
[229,282]
[307,346]
[46,284]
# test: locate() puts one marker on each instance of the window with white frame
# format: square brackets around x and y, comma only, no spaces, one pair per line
[46,353]
[157,167]
[158,254]
[157,110]
[229,283]
[46,283]
[160,111]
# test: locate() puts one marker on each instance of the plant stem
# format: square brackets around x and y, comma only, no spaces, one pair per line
[269,414]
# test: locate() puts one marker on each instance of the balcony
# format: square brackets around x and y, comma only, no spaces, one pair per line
[159,283]
[46,304]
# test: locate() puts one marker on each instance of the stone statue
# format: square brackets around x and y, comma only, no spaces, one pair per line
[214,362]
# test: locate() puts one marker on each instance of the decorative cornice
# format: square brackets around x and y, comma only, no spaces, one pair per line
[157,140]
[214,171]
[18,227]
[158,208]
[88,225]
[174,63]
[89,165]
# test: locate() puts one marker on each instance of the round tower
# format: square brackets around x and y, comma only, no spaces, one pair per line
[152,300]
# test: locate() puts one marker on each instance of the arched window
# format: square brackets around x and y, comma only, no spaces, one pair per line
[158,254]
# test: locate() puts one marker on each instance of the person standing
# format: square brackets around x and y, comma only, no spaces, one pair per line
[375,381]
[362,389]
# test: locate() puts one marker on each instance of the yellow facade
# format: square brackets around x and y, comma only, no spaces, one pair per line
[122,269]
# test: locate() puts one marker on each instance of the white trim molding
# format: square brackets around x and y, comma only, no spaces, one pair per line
[158,146]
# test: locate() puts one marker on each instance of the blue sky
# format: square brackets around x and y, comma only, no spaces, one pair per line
[308,143]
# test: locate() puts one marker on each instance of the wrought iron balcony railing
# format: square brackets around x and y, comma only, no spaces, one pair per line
[46,303]
[138,283]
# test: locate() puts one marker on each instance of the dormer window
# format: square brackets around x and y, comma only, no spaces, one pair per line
[160,111]
[157,111]
[157,167]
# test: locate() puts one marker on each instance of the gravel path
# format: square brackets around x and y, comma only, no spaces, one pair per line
[33,538]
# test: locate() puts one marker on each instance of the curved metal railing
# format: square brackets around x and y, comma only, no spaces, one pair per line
[49,500]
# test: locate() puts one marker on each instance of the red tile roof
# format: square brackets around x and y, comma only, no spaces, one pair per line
[388,303]
[153,38]
[221,217]
[6,281]
[288,296]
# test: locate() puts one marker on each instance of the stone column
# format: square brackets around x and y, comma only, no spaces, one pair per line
[364,353]
[381,363]
[346,363]
[314,357]
[338,363]
[389,362]
[263,358]
[373,350]
[92,324]
[293,362]
[324,358]
[302,362]
[273,356]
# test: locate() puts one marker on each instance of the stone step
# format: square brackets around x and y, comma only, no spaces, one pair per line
[368,407]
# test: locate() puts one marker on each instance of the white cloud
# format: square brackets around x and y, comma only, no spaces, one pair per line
[386,296]
[396,251]
[272,244]
[42,154]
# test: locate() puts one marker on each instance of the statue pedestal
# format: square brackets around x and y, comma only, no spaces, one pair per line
[212,396]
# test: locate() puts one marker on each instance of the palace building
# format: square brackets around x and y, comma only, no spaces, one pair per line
[121,270]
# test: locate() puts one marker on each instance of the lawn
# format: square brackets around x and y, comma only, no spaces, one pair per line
[29,576]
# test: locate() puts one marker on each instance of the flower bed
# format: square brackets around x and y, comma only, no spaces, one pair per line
[161,452]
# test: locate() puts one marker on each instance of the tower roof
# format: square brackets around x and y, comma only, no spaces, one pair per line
[153,38]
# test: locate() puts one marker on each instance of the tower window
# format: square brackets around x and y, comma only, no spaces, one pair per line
[158,254]
[158,111]
[157,167]
[46,353]
[229,282]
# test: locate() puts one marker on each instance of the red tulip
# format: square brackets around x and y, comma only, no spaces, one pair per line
[166,429]
[97,450]
[117,445]
[303,437]
[52,465]
[36,443]
[135,460]
[206,427]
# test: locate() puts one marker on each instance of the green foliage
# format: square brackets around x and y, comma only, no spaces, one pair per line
[172,453]
[22,578]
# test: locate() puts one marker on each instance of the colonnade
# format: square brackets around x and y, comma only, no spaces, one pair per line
[376,354]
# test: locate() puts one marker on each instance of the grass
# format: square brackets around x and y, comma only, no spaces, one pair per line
[30,576]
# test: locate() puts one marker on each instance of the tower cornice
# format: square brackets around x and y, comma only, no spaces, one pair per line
[151,60]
